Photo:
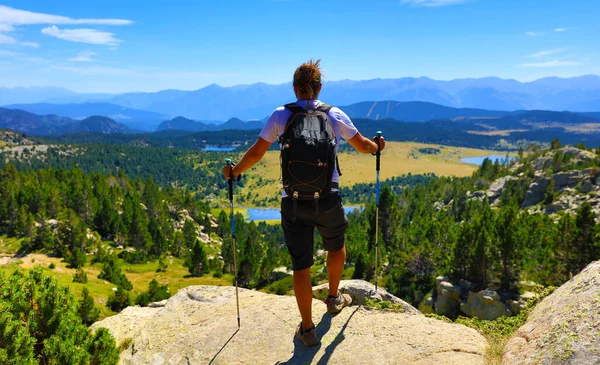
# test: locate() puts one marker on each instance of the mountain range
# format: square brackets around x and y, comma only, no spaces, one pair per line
[252,102]
[184,124]
[26,122]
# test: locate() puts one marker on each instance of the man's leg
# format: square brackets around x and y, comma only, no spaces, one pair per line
[335,266]
[303,292]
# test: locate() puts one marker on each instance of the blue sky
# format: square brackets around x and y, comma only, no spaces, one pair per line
[135,45]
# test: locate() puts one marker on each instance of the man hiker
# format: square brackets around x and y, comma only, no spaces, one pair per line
[310,197]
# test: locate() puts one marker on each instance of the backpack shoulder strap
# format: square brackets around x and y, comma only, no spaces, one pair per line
[325,108]
[294,108]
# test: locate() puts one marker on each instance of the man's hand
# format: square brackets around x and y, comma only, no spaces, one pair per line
[381,142]
[227,169]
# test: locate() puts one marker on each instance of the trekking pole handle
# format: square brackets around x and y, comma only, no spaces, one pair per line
[230,180]
[378,153]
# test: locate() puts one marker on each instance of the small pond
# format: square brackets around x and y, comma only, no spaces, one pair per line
[218,149]
[479,159]
[271,214]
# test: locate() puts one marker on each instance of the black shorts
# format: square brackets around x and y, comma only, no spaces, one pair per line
[331,222]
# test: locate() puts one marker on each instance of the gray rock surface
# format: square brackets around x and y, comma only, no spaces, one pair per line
[360,290]
[564,328]
[448,298]
[485,304]
[198,326]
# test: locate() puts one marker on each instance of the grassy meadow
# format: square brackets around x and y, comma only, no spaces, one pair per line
[398,158]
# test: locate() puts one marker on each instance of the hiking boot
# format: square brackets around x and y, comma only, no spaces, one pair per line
[336,304]
[309,337]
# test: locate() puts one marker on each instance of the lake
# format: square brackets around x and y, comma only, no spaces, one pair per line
[479,160]
[273,214]
[218,149]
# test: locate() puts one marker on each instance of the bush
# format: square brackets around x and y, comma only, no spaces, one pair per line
[111,271]
[80,277]
[119,300]
[155,293]
[39,325]
[52,266]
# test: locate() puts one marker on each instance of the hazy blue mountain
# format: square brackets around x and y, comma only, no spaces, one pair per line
[215,102]
[182,124]
[25,122]
[235,123]
[94,124]
[31,94]
[412,111]
[143,100]
[248,102]
[135,119]
[257,100]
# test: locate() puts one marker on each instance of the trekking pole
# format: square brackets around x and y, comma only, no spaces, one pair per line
[232,218]
[377,168]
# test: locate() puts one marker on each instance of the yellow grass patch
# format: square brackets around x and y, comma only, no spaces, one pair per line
[503,133]
[398,158]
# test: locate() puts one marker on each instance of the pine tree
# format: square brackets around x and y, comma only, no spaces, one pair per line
[39,325]
[87,311]
[586,247]
[197,262]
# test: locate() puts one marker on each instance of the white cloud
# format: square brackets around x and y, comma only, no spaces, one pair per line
[432,3]
[6,39]
[555,63]
[9,17]
[83,57]
[30,44]
[89,36]
[546,53]
[6,27]
[535,34]
[560,30]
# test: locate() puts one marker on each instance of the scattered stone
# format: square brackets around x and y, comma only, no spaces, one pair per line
[586,187]
[564,328]
[186,331]
[556,207]
[448,298]
[485,305]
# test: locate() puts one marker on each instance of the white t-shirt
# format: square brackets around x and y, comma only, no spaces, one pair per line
[341,123]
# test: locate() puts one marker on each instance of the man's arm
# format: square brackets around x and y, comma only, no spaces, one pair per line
[251,157]
[365,145]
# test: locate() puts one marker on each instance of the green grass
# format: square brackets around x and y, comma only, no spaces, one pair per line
[10,245]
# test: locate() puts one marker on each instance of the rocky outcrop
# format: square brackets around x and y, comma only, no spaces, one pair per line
[486,305]
[564,328]
[198,326]
[574,154]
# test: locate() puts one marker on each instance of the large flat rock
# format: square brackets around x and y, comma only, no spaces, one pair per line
[564,328]
[199,326]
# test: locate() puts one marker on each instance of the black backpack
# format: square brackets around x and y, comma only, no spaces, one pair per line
[308,153]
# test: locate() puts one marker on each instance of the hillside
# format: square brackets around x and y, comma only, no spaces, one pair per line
[412,111]
[184,124]
[133,118]
[26,122]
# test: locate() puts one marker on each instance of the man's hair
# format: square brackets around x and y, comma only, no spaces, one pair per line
[307,78]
